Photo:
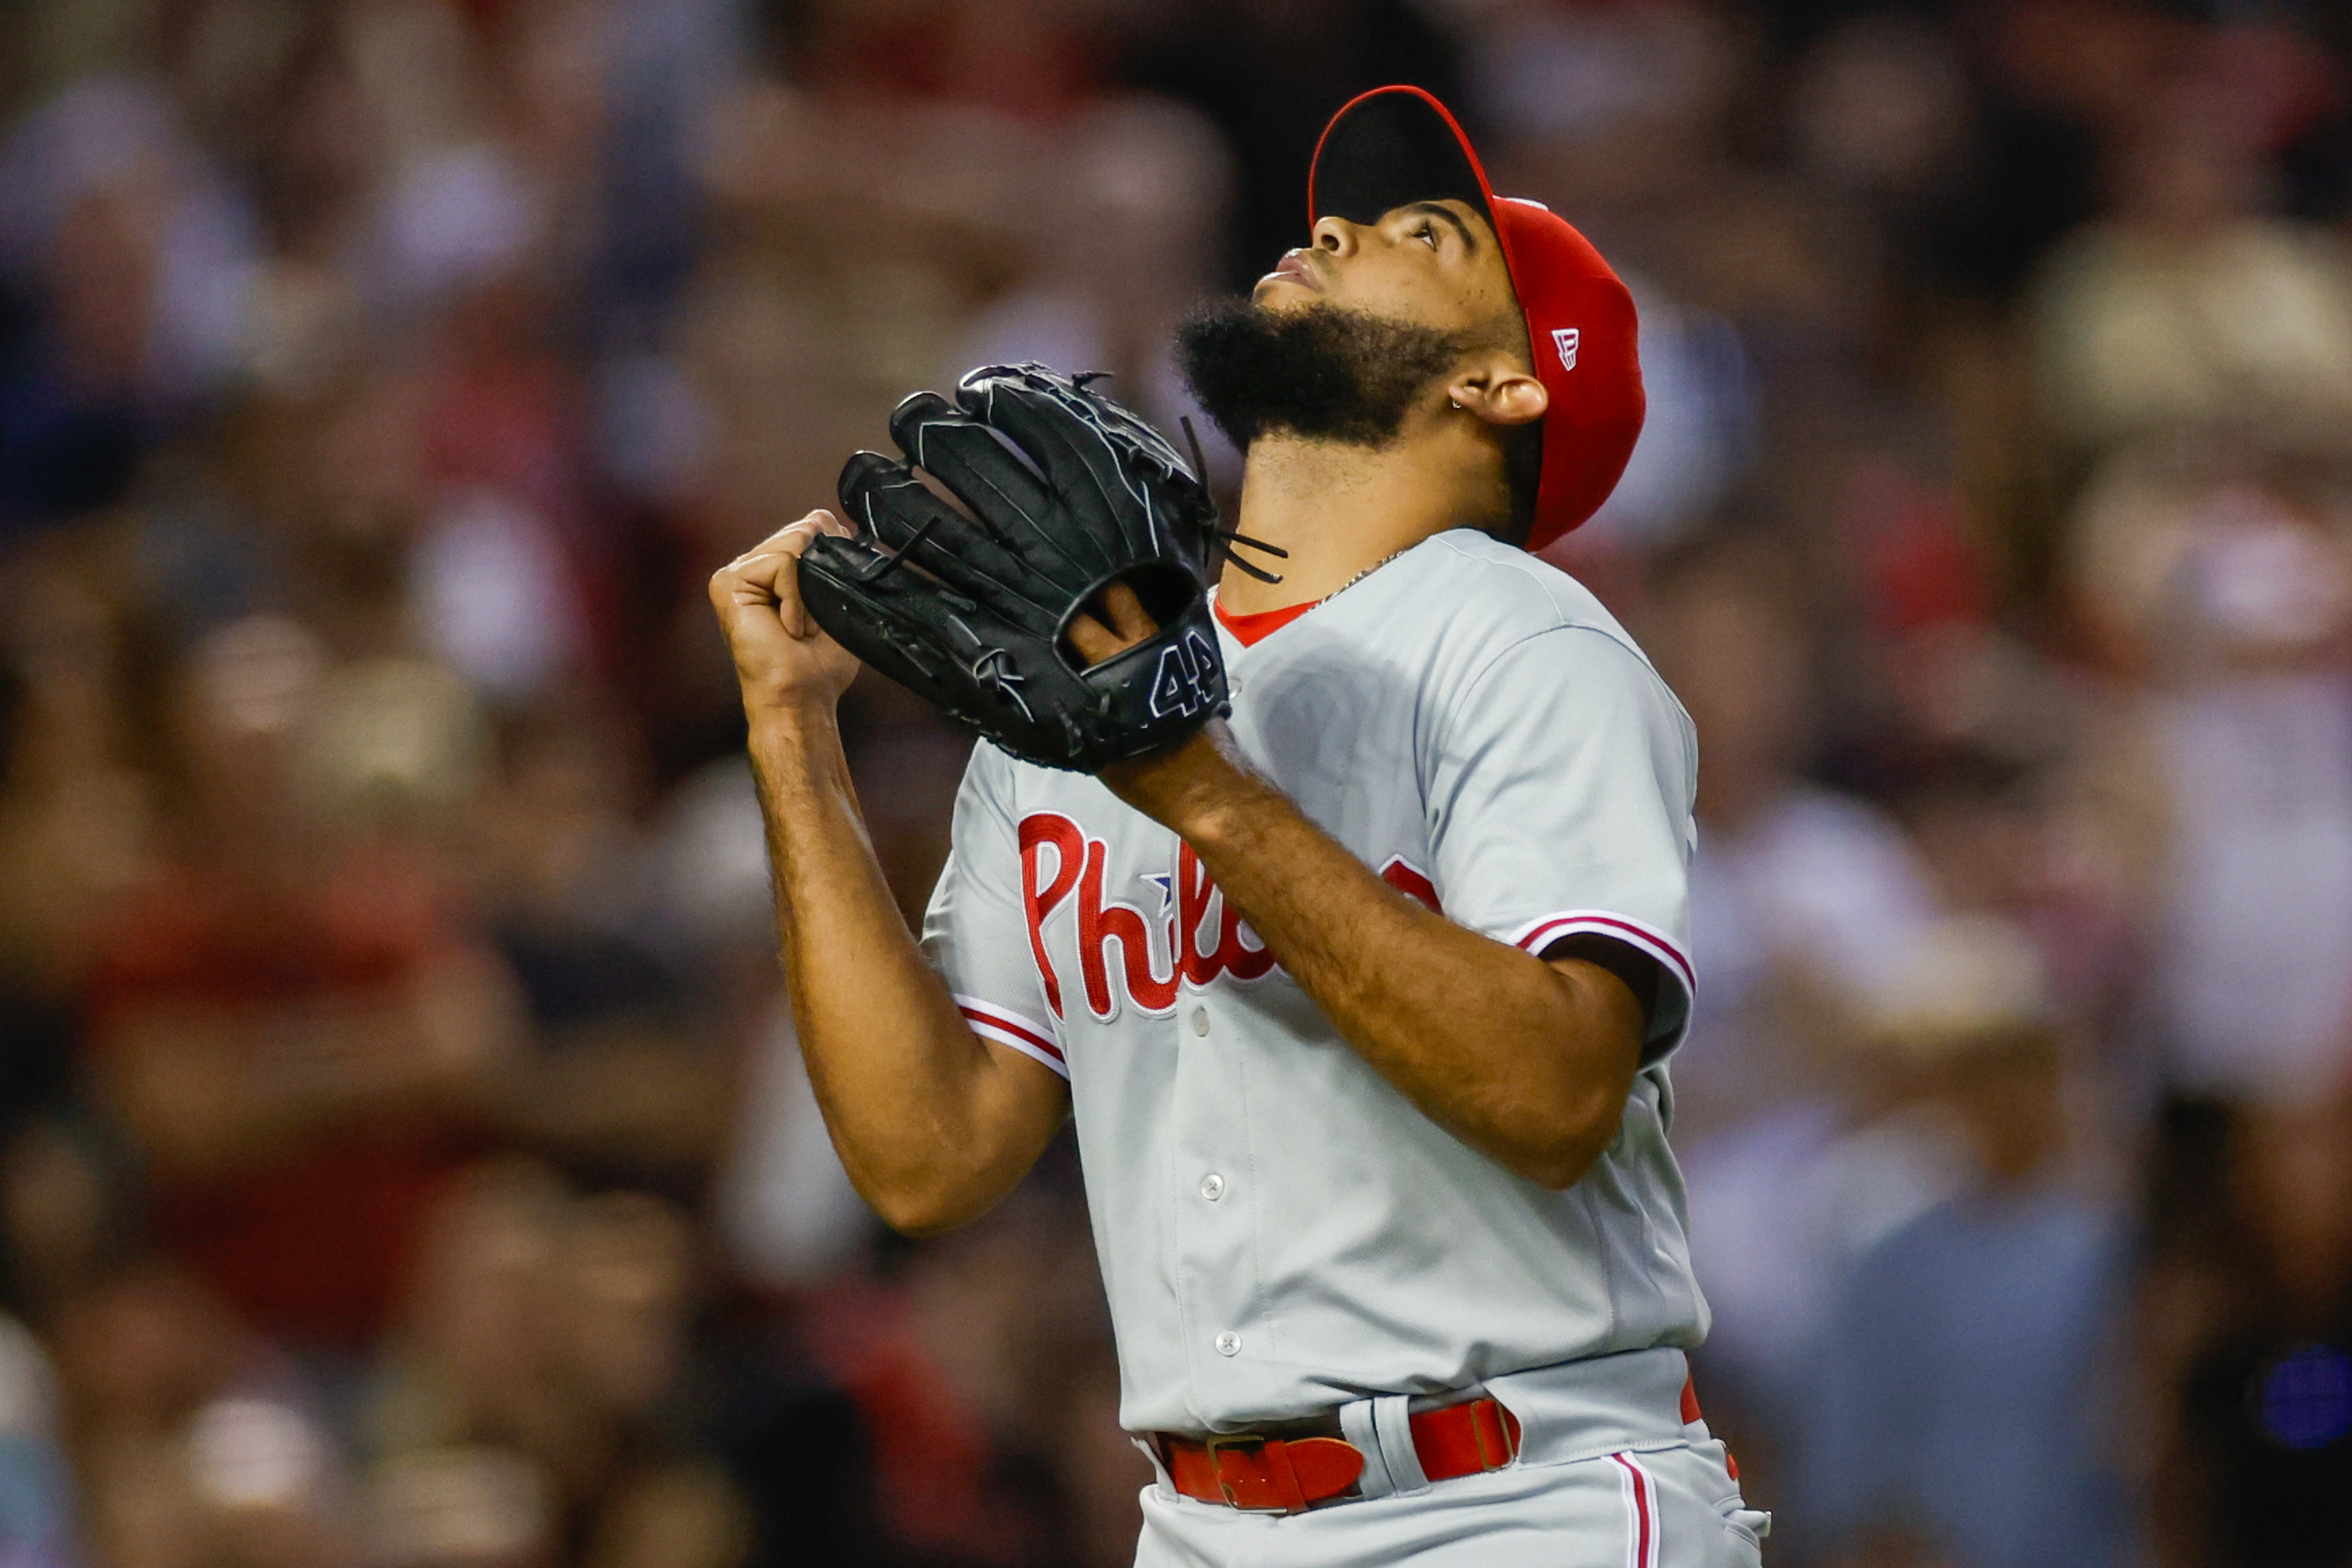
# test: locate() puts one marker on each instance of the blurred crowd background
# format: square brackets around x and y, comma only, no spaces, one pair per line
[405,1158]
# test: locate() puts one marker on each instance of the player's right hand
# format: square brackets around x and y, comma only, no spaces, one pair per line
[783,657]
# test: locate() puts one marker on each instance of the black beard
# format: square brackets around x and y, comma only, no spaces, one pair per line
[1325,372]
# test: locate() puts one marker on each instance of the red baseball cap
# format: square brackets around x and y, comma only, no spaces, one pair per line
[1398,144]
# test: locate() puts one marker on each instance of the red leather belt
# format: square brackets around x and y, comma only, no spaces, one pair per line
[1265,1474]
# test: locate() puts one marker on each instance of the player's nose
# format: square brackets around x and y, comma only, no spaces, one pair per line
[1337,234]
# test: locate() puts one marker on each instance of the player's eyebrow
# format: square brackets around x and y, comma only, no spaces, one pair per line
[1438,209]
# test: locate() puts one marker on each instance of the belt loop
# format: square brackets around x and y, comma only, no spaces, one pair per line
[1358,1425]
[1392,1423]
[1149,1450]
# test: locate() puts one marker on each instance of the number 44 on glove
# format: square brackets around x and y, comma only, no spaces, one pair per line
[1063,493]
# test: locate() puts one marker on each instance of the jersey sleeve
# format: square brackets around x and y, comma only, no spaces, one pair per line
[1559,795]
[976,930]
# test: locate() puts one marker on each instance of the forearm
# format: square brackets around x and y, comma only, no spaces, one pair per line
[932,1123]
[1527,1062]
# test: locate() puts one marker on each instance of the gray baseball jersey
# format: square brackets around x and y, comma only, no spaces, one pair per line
[1280,1231]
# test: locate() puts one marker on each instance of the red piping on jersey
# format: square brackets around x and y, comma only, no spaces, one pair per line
[1011,1025]
[1634,935]
[1250,629]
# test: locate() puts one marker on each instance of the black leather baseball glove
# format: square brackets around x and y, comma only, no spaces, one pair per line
[1063,493]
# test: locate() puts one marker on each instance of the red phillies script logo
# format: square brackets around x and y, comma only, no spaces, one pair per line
[1057,859]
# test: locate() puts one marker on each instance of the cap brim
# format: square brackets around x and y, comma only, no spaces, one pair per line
[1391,146]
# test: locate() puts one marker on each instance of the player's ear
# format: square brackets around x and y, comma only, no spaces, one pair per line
[1499,391]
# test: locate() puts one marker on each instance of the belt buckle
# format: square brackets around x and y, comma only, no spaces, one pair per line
[1274,1490]
[1506,1439]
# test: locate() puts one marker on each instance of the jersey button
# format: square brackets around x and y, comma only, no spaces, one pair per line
[1199,1020]
[1213,1186]
[1229,1343]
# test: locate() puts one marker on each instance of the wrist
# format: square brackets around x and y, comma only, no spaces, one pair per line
[1193,787]
[791,716]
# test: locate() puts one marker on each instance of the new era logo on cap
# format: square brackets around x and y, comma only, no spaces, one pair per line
[1564,340]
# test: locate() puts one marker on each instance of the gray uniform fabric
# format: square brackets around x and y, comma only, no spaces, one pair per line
[1280,1231]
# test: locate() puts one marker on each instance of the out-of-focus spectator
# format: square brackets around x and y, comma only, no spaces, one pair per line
[2224,790]
[782,1206]
[190,1443]
[2246,1317]
[621,1080]
[293,1025]
[145,253]
[527,1410]
[2188,306]
[1697,437]
[787,1211]
[37,1502]
[75,815]
[981,1374]
[1962,1410]
[952,222]
[1801,898]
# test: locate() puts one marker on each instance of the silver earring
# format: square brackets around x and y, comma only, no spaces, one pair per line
[1454,401]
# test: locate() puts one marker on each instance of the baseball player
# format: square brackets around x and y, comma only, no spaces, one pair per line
[1361,997]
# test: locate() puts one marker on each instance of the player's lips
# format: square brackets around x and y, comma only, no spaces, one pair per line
[1294,268]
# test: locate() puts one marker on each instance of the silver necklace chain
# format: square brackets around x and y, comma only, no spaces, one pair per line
[1358,577]
[1361,575]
